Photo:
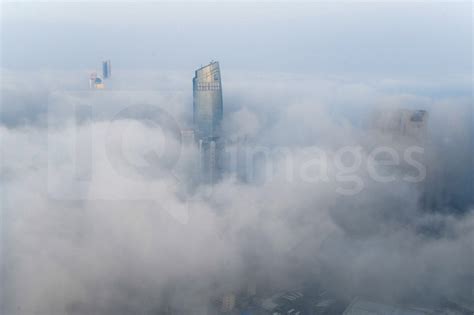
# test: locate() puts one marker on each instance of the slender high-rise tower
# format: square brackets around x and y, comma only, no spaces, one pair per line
[207,114]
[207,93]
[106,69]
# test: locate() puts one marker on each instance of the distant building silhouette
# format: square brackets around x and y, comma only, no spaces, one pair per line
[106,69]
[402,122]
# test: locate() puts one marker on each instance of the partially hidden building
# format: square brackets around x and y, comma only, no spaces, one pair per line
[106,69]
[207,118]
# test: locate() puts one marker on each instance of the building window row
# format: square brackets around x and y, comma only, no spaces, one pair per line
[208,86]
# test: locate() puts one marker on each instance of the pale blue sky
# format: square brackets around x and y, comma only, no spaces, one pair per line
[372,38]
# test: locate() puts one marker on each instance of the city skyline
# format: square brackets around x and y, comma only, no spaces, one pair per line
[321,163]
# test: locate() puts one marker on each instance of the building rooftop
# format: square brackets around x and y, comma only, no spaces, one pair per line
[208,73]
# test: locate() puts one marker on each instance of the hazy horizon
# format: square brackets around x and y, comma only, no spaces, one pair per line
[95,221]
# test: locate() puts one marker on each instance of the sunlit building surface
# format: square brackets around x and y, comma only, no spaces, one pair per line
[95,82]
[98,84]
[207,107]
[207,116]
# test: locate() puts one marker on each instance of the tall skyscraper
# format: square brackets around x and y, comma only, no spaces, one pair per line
[208,114]
[106,69]
[207,93]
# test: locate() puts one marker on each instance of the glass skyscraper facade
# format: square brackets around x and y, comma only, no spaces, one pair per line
[207,114]
[106,69]
[207,107]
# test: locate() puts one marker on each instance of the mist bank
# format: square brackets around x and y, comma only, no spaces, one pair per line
[83,234]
